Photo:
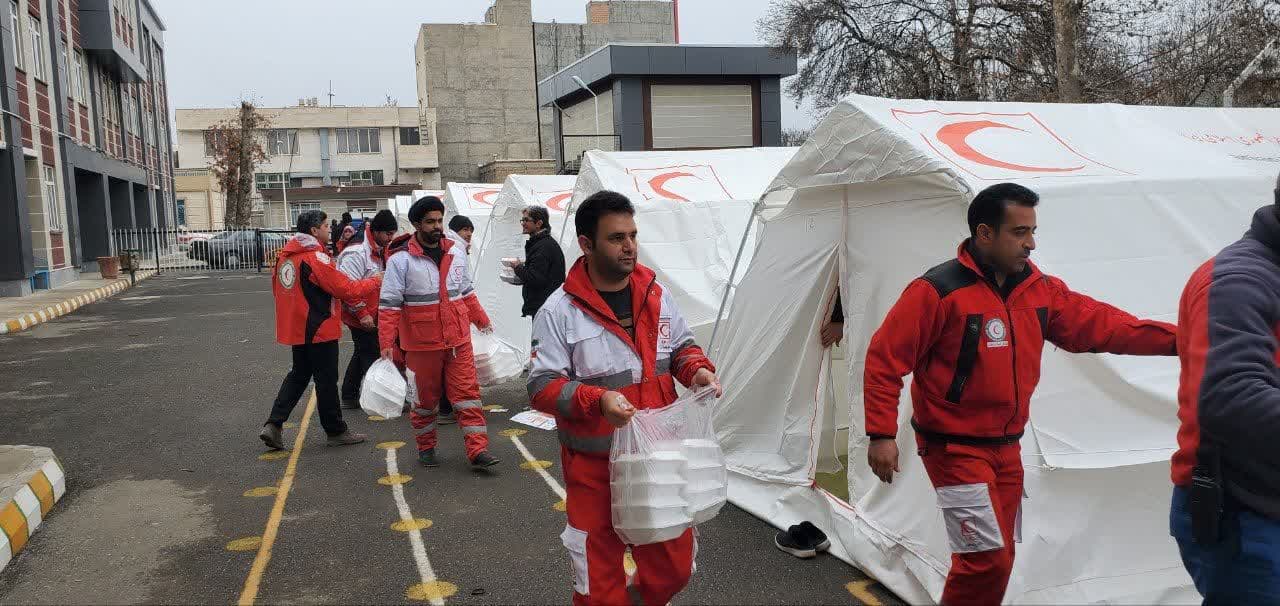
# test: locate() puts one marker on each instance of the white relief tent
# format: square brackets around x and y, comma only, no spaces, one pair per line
[1133,199]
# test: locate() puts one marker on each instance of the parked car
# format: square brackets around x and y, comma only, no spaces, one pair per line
[240,248]
[185,238]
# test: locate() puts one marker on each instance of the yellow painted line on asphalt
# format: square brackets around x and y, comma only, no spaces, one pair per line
[533,463]
[861,591]
[431,589]
[245,544]
[262,491]
[259,568]
[274,455]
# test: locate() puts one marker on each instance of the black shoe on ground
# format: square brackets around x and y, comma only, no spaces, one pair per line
[346,438]
[814,537]
[427,458]
[270,435]
[484,460]
[447,419]
[794,542]
[350,404]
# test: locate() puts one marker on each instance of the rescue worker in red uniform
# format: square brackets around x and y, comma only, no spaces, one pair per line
[972,331]
[426,304]
[361,258]
[609,341]
[305,283]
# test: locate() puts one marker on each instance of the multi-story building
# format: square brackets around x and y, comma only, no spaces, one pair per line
[330,158]
[86,143]
[480,78]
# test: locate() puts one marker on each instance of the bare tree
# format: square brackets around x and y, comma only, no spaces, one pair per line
[237,152]
[795,137]
[1179,52]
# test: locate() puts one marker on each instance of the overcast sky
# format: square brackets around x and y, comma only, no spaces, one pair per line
[277,51]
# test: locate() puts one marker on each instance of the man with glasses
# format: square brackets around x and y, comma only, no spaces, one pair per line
[542,270]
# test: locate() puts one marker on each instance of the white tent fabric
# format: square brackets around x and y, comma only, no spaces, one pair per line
[691,209]
[1132,200]
[475,200]
[504,238]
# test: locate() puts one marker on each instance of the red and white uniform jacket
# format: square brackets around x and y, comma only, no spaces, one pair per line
[362,258]
[427,307]
[305,283]
[580,351]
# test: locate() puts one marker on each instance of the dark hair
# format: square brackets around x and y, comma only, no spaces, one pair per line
[423,206]
[384,220]
[988,206]
[538,213]
[597,205]
[461,222]
[308,220]
[346,217]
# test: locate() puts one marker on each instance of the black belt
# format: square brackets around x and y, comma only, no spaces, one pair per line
[937,437]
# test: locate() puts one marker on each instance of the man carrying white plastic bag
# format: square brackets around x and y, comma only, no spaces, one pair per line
[609,341]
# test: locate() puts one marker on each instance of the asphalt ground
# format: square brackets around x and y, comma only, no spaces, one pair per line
[153,399]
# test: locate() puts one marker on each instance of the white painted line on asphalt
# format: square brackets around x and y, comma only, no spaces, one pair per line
[555,486]
[415,535]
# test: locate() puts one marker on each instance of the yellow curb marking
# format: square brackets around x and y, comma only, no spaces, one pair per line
[14,525]
[861,591]
[392,480]
[435,590]
[535,464]
[262,491]
[254,580]
[390,445]
[411,525]
[43,490]
[511,433]
[560,506]
[245,544]
[274,455]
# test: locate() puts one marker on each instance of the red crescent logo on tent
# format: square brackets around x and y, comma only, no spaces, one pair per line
[556,202]
[658,184]
[485,196]
[956,137]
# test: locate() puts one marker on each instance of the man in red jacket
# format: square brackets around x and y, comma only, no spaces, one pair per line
[426,303]
[972,331]
[305,283]
[609,341]
[363,258]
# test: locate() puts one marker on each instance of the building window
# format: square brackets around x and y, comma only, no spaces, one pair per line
[52,210]
[125,103]
[274,181]
[63,68]
[74,67]
[362,177]
[182,212]
[359,141]
[37,48]
[19,51]
[281,142]
[297,208]
[213,141]
[409,136]
[84,78]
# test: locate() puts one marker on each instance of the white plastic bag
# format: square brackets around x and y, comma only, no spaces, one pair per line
[383,390]
[706,477]
[496,362]
[666,471]
[508,275]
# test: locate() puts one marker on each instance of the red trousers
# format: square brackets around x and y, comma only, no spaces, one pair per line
[980,493]
[662,569]
[453,373]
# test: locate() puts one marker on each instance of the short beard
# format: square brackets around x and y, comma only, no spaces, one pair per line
[432,237]
[611,270]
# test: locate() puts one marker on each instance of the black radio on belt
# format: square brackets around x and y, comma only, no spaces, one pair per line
[1206,496]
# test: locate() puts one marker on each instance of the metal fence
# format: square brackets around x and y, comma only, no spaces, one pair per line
[177,250]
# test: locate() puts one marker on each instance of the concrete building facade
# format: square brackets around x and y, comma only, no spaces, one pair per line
[480,78]
[86,139]
[315,152]
[663,96]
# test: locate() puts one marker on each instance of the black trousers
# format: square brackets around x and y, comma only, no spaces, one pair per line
[318,361]
[365,354]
